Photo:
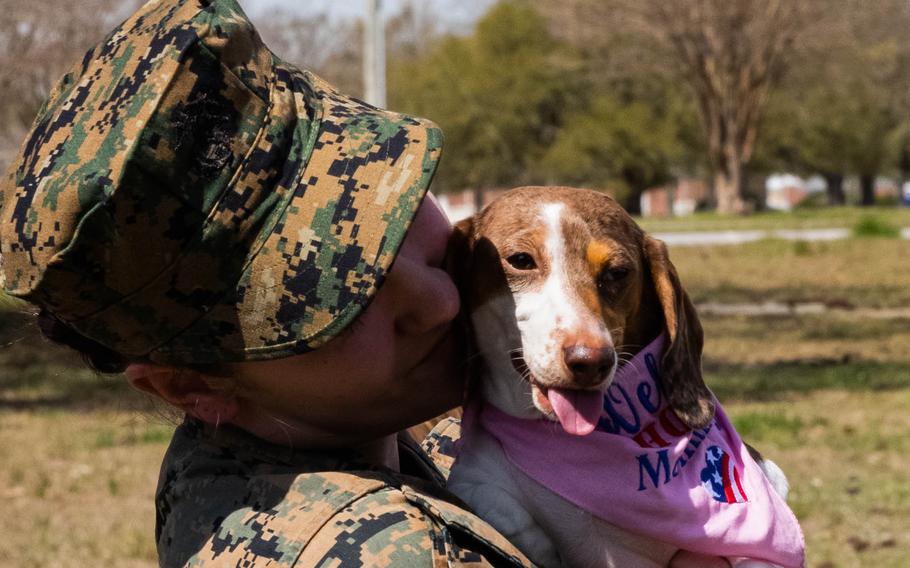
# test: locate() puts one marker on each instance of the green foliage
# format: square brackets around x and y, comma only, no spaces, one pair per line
[520,106]
[821,128]
[627,146]
[873,226]
[499,96]
[841,109]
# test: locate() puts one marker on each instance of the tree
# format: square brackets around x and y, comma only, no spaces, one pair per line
[499,96]
[332,49]
[625,145]
[730,53]
[842,110]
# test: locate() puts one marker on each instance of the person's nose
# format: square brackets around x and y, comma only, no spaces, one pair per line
[425,296]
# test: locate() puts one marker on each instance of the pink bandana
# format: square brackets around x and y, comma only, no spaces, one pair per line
[642,470]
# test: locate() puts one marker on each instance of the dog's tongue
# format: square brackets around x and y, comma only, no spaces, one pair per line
[578,411]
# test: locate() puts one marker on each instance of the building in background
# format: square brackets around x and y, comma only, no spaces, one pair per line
[887,190]
[783,192]
[462,205]
[686,197]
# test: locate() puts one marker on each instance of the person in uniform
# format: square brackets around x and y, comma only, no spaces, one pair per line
[259,251]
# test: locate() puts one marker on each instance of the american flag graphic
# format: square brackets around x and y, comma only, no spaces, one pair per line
[720,477]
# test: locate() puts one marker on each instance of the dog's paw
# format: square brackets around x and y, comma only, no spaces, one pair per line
[777,478]
[497,508]
[507,515]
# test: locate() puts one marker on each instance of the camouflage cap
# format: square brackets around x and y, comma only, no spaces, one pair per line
[185,196]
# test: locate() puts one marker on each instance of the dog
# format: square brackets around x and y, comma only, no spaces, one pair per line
[583,331]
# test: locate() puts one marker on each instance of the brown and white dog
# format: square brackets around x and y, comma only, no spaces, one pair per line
[561,286]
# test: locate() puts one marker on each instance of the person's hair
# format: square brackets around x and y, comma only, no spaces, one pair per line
[106,361]
[96,356]
[99,358]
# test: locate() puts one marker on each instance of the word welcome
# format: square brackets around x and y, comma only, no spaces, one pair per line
[640,414]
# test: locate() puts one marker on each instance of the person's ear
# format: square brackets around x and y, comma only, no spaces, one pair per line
[186,389]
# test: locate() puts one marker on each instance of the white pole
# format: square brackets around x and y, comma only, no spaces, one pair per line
[374,55]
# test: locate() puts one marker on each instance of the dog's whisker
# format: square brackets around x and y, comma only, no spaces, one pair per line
[628,357]
[625,356]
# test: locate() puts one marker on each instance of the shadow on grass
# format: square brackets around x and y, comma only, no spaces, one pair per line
[778,380]
[36,374]
[768,328]
[872,295]
[51,387]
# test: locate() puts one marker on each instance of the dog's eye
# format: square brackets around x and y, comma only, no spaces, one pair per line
[522,261]
[612,275]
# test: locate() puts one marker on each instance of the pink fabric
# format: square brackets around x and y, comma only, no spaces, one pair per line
[642,470]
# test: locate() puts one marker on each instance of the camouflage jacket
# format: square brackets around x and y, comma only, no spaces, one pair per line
[226,498]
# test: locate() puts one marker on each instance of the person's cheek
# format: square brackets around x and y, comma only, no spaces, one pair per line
[435,304]
[448,300]
[371,353]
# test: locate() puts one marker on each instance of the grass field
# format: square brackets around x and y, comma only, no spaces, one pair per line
[848,273]
[820,218]
[825,395]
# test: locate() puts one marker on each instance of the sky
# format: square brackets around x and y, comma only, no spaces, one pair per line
[455,15]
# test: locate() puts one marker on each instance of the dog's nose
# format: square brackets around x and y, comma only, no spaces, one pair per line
[588,365]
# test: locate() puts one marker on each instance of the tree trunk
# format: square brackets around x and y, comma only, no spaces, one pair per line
[478,199]
[727,190]
[867,187]
[632,202]
[835,188]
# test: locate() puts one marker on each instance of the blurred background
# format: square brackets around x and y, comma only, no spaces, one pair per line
[767,142]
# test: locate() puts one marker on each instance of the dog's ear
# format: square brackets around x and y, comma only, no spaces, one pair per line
[681,373]
[459,261]
[459,252]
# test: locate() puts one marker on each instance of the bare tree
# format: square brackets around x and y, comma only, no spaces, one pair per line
[330,48]
[734,52]
[412,31]
[41,39]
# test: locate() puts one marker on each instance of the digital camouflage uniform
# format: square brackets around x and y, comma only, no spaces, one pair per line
[186,197]
[229,499]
